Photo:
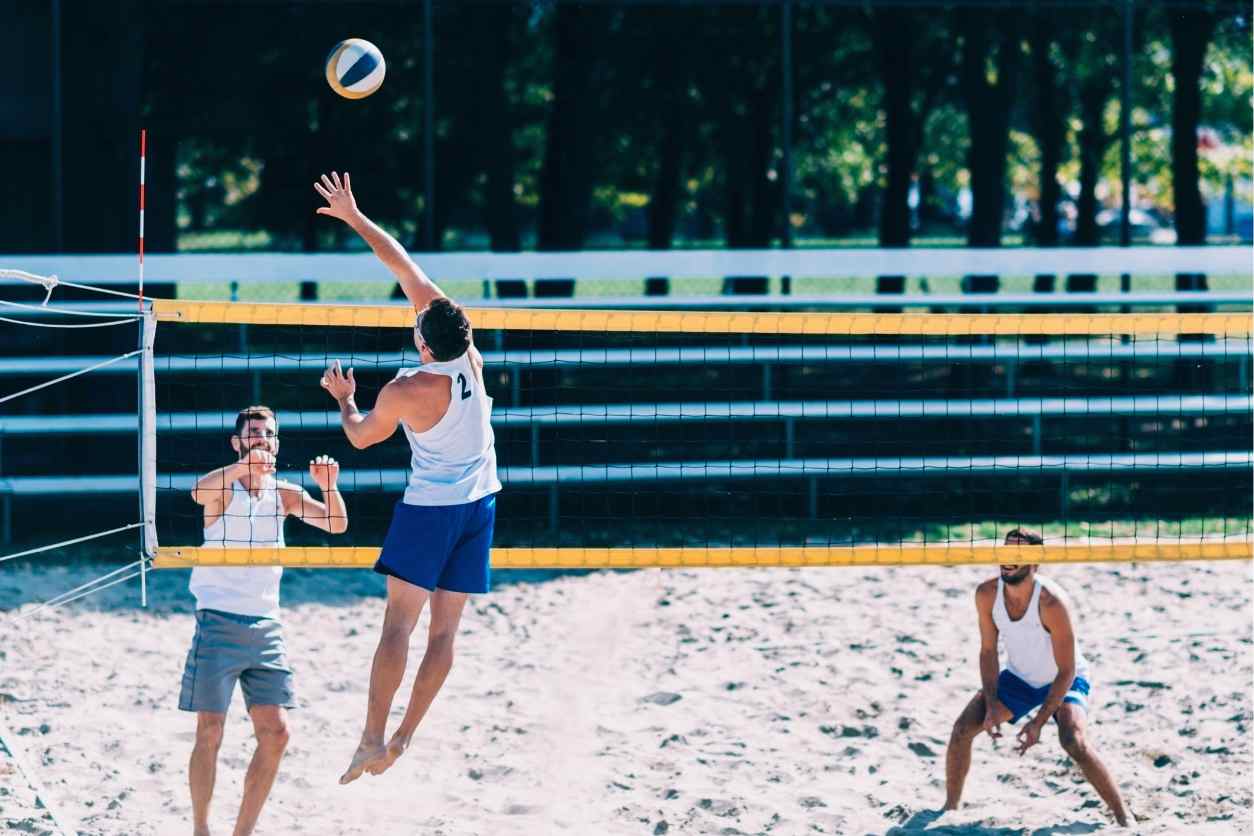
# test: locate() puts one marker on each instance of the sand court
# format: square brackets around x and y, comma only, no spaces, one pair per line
[701,701]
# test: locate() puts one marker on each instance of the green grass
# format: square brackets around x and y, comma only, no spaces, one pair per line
[245,242]
[380,292]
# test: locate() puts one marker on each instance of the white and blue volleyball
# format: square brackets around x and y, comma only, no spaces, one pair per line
[355,68]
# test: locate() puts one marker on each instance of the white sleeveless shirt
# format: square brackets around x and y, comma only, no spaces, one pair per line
[1029,650]
[454,462]
[247,522]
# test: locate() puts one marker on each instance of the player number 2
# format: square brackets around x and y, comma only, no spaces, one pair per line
[461,378]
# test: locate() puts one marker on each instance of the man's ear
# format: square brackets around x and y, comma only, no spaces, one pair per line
[235,444]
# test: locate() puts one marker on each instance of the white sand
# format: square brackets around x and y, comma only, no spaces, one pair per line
[714,701]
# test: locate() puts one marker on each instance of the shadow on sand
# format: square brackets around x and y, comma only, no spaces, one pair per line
[927,821]
[29,582]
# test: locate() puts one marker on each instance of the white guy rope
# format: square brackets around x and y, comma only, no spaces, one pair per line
[54,325]
[83,539]
[42,309]
[83,590]
[65,377]
[50,282]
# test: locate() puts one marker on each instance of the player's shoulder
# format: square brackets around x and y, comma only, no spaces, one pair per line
[285,487]
[1053,596]
[986,591]
[418,381]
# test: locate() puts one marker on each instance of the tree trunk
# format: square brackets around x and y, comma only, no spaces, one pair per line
[763,191]
[895,39]
[102,120]
[497,143]
[663,209]
[988,112]
[571,137]
[1049,122]
[1093,141]
[26,205]
[1190,33]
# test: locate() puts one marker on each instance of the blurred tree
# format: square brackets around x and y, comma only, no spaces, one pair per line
[101,82]
[991,59]
[1191,28]
[575,132]
[914,66]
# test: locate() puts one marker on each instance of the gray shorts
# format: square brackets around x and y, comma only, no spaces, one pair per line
[229,647]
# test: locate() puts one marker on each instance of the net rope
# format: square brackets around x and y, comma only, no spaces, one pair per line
[51,283]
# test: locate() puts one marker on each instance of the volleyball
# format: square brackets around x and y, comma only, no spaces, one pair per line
[355,68]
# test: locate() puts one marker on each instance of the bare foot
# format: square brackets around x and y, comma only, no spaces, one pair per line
[200,831]
[367,755]
[395,748]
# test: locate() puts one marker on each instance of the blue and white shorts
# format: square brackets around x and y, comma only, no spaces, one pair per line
[1020,697]
[441,546]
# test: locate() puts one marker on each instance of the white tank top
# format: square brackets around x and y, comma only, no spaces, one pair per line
[454,462]
[1029,651]
[247,522]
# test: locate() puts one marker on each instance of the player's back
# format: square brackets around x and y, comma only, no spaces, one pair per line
[454,461]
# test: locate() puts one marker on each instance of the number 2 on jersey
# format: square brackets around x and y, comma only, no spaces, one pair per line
[461,379]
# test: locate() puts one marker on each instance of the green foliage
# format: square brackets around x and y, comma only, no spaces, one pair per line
[242,94]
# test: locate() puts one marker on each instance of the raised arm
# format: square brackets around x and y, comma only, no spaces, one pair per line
[418,288]
[363,429]
[329,513]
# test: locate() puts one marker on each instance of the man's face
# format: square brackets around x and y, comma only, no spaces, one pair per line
[1016,573]
[257,433]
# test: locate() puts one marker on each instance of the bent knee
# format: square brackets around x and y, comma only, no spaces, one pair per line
[965,729]
[1074,744]
[273,735]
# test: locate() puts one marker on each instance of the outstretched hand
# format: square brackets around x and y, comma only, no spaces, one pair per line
[339,385]
[324,470]
[338,195]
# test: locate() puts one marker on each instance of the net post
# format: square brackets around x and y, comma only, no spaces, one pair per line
[147,406]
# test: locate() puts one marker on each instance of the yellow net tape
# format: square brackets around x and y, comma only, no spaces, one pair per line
[181,557]
[718,322]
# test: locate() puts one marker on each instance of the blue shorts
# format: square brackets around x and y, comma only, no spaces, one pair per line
[1020,697]
[440,546]
[229,648]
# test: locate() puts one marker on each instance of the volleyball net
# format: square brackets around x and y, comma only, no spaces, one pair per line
[706,433]
[653,438]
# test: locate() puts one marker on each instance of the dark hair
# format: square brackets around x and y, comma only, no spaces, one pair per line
[1027,535]
[250,413]
[445,329]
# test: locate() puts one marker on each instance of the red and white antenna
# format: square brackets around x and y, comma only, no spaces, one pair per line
[143,150]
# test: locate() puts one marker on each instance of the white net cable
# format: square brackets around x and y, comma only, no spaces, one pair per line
[50,283]
[66,377]
[91,587]
[75,541]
